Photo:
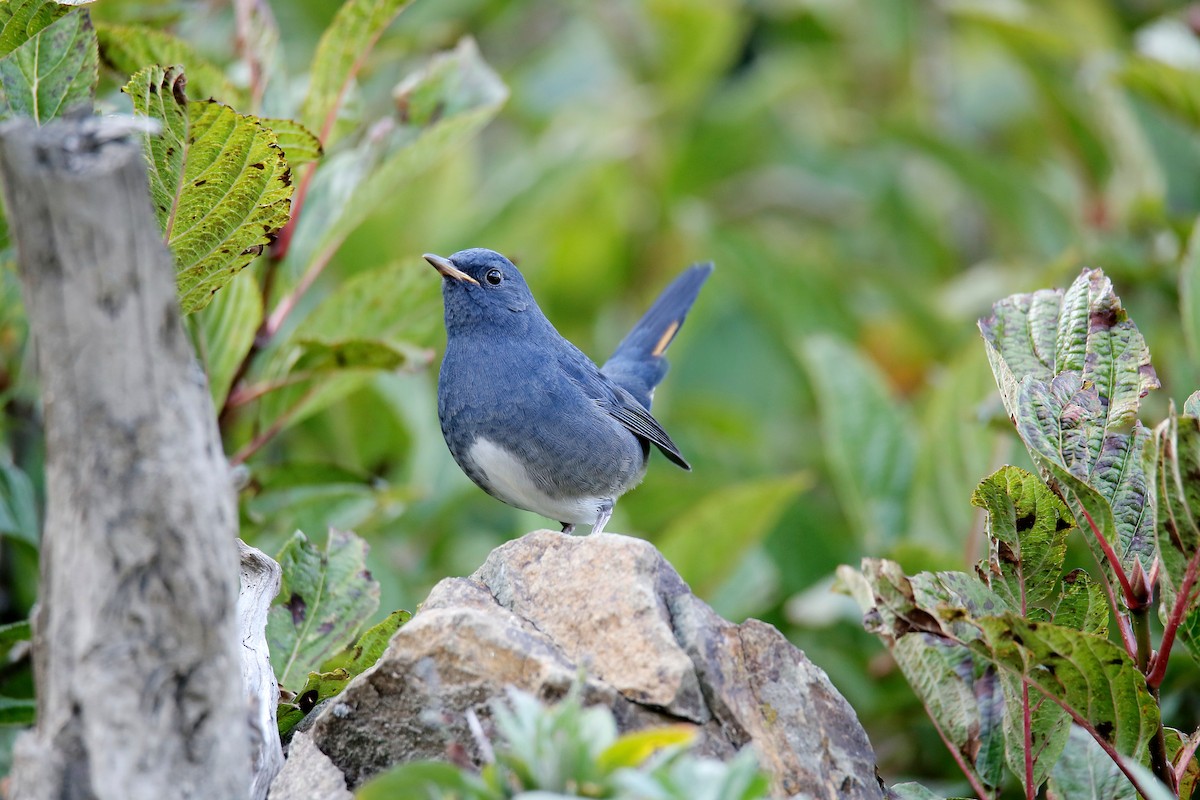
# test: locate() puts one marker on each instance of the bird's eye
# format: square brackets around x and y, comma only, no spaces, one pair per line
[494,276]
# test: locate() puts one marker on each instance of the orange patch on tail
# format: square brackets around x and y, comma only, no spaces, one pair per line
[667,336]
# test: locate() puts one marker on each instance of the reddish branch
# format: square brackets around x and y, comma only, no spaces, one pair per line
[1183,599]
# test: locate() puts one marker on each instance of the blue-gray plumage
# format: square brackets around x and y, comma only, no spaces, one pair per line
[527,415]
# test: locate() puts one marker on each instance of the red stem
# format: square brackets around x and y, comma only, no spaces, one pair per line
[1184,756]
[259,441]
[962,764]
[1131,599]
[1182,601]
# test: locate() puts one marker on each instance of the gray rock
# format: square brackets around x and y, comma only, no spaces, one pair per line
[545,605]
[308,775]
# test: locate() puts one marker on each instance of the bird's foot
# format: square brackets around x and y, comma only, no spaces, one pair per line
[568,527]
[603,515]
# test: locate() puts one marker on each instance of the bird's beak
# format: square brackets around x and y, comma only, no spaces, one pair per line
[447,268]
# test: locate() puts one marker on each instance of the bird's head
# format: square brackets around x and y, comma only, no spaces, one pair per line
[482,289]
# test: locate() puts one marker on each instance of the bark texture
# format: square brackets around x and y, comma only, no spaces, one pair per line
[135,634]
[260,581]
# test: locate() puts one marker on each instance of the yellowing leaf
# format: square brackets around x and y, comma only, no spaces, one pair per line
[634,748]
[218,179]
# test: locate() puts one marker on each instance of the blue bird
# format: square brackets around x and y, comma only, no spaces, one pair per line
[529,418]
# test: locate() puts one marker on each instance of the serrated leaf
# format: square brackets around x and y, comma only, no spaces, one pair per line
[1083,605]
[961,698]
[633,748]
[1086,771]
[351,185]
[218,180]
[131,48]
[734,519]
[1175,741]
[340,54]
[299,144]
[1087,673]
[228,326]
[1044,334]
[911,791]
[325,597]
[1178,530]
[868,440]
[370,646]
[54,70]
[1102,475]
[1027,526]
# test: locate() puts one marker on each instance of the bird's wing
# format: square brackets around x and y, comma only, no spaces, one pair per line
[620,405]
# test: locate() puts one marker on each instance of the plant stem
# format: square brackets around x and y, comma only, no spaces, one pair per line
[1184,756]
[1158,744]
[1183,600]
[1131,598]
[971,777]
[1027,723]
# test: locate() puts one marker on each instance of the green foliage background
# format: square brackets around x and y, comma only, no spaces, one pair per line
[869,177]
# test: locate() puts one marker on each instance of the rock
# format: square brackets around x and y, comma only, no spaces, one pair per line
[308,774]
[545,605]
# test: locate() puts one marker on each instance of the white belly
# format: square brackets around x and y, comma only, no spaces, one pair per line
[508,479]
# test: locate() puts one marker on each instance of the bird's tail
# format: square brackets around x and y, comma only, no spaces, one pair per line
[638,364]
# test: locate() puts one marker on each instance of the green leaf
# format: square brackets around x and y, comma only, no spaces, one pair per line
[1174,90]
[340,55]
[17,711]
[218,181]
[1083,605]
[962,698]
[1189,295]
[1027,527]
[129,49]
[228,326]
[55,69]
[318,356]
[15,632]
[911,791]
[21,20]
[299,144]
[18,504]
[868,445]
[1044,334]
[324,599]
[706,543]
[424,780]
[1085,770]
[391,314]
[1191,774]
[1102,475]
[1178,530]
[370,646]
[442,106]
[1087,673]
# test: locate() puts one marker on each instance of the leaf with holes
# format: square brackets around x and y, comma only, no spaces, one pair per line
[218,180]
[53,69]
[324,598]
[1027,527]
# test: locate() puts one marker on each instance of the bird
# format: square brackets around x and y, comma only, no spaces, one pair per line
[531,419]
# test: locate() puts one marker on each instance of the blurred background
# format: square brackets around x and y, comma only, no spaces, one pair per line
[869,176]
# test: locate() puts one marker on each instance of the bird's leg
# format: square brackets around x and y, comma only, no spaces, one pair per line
[568,527]
[603,515]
